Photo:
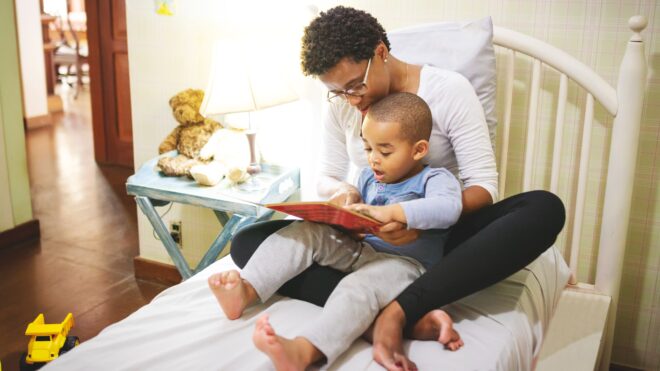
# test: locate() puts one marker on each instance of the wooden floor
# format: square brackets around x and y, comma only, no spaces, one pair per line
[84,261]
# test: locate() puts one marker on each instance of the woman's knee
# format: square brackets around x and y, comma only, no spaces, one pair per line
[241,246]
[246,241]
[549,208]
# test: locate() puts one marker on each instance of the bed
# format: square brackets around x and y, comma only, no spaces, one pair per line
[531,320]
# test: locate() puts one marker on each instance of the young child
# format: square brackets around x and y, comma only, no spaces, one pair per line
[397,187]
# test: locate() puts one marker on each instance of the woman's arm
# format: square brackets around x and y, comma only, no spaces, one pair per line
[468,134]
[474,198]
[334,159]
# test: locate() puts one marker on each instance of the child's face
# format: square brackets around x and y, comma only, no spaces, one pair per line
[392,158]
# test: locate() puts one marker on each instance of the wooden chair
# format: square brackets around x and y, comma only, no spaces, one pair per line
[71,55]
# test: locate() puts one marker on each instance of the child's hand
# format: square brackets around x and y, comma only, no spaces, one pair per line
[357,236]
[381,213]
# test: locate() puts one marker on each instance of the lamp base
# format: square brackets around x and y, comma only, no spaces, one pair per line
[253,184]
[254,166]
[254,169]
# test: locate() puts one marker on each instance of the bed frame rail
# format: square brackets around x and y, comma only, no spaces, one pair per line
[625,104]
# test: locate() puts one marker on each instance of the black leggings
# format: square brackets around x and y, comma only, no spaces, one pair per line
[483,248]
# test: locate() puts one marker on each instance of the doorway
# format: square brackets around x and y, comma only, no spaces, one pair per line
[86,55]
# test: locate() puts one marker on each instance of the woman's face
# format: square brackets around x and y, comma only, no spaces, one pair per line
[348,75]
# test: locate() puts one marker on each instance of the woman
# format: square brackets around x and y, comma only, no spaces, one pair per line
[348,51]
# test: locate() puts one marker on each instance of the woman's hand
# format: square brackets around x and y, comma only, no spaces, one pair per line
[397,234]
[345,195]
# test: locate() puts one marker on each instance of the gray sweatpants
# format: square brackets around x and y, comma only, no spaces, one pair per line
[376,279]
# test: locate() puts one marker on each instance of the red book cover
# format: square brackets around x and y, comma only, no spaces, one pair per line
[324,212]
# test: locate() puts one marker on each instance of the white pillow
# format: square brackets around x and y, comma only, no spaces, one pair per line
[466,48]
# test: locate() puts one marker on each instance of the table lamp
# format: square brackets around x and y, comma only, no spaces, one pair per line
[246,77]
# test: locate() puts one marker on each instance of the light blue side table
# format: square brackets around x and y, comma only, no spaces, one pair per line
[151,189]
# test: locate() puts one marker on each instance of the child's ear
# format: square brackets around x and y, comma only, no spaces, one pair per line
[420,149]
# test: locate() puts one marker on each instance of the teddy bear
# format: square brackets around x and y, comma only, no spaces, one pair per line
[188,138]
[207,152]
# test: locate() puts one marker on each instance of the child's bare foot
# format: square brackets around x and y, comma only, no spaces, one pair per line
[438,325]
[233,293]
[286,354]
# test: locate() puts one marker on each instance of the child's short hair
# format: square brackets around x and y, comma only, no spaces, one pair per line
[409,110]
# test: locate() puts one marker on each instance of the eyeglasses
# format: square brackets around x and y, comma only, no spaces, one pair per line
[355,91]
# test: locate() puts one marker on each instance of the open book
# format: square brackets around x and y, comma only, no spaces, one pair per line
[325,212]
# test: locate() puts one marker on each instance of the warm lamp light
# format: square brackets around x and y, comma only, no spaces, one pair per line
[245,77]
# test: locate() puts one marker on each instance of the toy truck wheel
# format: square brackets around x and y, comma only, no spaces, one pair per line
[70,343]
[24,366]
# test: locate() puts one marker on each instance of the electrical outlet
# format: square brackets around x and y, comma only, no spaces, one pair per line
[175,232]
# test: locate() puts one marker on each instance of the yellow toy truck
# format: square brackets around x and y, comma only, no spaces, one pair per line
[47,342]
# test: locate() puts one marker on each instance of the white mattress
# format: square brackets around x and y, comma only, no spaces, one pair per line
[183,328]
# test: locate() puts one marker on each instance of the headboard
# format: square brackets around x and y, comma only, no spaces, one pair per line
[624,103]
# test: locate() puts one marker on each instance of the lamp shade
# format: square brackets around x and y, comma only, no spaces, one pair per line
[247,76]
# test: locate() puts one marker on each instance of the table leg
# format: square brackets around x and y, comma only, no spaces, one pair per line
[222,217]
[230,227]
[161,230]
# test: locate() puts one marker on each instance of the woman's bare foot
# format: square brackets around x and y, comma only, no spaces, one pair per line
[438,325]
[286,354]
[233,293]
[388,340]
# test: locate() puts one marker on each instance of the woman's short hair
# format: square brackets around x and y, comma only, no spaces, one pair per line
[408,110]
[337,33]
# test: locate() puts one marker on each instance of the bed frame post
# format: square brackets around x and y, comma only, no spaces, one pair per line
[620,176]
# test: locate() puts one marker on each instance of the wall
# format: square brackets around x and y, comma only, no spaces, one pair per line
[595,32]
[28,19]
[6,217]
[15,203]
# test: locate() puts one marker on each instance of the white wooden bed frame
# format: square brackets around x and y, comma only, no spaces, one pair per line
[581,332]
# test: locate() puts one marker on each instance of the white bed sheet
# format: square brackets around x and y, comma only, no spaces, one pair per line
[183,328]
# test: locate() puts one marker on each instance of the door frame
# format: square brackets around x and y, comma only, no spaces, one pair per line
[95,82]
[102,86]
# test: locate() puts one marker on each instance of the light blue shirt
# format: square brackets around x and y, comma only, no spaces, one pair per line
[431,201]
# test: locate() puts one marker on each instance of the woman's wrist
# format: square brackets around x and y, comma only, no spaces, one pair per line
[328,187]
[344,194]
[346,188]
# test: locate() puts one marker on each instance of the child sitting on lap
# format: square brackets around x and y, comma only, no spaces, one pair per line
[397,187]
